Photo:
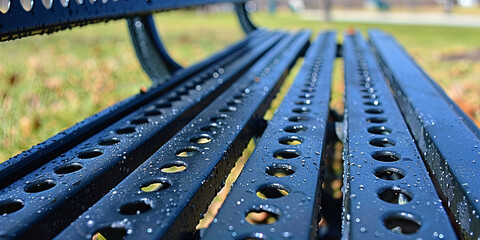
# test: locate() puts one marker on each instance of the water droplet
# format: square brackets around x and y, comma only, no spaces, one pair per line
[90,223]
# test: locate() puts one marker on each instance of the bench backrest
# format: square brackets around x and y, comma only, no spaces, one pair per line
[20,18]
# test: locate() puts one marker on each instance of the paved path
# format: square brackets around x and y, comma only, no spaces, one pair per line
[404,18]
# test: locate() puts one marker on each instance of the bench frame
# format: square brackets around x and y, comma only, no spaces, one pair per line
[430,155]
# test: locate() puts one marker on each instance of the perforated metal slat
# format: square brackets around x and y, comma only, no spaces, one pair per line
[447,138]
[34,18]
[203,153]
[49,198]
[387,190]
[25,162]
[281,182]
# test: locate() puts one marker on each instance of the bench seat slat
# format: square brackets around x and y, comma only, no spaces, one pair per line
[266,174]
[176,210]
[27,161]
[55,194]
[446,137]
[387,190]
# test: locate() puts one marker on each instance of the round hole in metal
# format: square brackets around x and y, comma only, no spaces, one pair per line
[305,102]
[174,167]
[366,84]
[372,96]
[389,174]
[126,130]
[395,195]
[219,117]
[139,121]
[380,130]
[10,206]
[382,142]
[306,95]
[174,98]
[272,191]
[68,168]
[308,90]
[280,170]
[253,236]
[40,185]
[301,110]
[201,139]
[298,119]
[234,102]
[91,153]
[115,233]
[211,127]
[190,85]
[108,141]
[155,186]
[27,4]
[402,223]
[262,215]
[187,152]
[372,103]
[240,96]
[4,6]
[152,113]
[385,156]
[228,109]
[163,104]
[286,153]
[295,129]
[46,3]
[136,207]
[376,120]
[368,90]
[182,91]
[374,111]
[291,140]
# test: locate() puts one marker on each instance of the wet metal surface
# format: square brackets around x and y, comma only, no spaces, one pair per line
[277,195]
[387,190]
[447,138]
[191,167]
[56,193]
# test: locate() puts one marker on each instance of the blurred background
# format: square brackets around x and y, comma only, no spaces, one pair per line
[48,83]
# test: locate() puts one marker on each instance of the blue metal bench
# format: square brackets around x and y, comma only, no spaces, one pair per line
[149,166]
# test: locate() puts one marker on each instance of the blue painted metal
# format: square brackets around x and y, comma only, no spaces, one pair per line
[244,18]
[229,122]
[55,194]
[387,190]
[287,160]
[446,137]
[20,165]
[151,53]
[18,22]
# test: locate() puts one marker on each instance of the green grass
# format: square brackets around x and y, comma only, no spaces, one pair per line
[50,82]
